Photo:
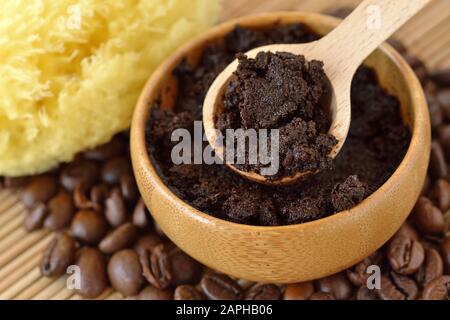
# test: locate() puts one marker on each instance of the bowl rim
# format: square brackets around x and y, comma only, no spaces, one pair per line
[141,113]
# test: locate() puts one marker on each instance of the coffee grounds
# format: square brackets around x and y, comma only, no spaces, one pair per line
[376,143]
[281,91]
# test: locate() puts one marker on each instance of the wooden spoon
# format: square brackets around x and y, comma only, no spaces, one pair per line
[342,51]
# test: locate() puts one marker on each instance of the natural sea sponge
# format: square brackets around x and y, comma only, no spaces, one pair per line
[71,71]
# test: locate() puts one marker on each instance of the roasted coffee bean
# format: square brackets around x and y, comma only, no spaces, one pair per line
[141,217]
[438,166]
[188,271]
[35,218]
[60,211]
[115,209]
[15,182]
[441,78]
[322,296]
[156,266]
[299,291]
[397,45]
[397,287]
[81,199]
[99,193]
[364,293]
[104,152]
[93,277]
[152,293]
[435,111]
[58,255]
[125,272]
[120,238]
[88,226]
[263,292]
[39,190]
[443,98]
[443,134]
[129,188]
[418,66]
[405,255]
[406,230]
[79,171]
[441,194]
[220,287]
[427,217]
[187,292]
[114,168]
[438,289]
[336,284]
[431,268]
[445,253]
[146,243]
[358,274]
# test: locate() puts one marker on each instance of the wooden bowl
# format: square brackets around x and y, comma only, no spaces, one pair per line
[292,253]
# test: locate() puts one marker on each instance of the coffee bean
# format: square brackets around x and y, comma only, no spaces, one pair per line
[141,217]
[397,287]
[99,193]
[427,217]
[188,271]
[336,284]
[58,255]
[438,166]
[79,171]
[118,239]
[441,78]
[358,274]
[146,243]
[298,291]
[114,168]
[435,111]
[438,289]
[104,152]
[322,296]
[397,45]
[39,190]
[441,194]
[156,266]
[445,253]
[263,292]
[152,293]
[125,272]
[426,186]
[418,66]
[88,226]
[364,293]
[93,278]
[245,284]
[129,188]
[405,255]
[35,218]
[443,134]
[220,287]
[115,209]
[406,230]
[431,268]
[15,182]
[60,211]
[443,98]
[187,292]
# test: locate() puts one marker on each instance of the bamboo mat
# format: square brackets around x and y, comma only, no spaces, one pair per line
[427,36]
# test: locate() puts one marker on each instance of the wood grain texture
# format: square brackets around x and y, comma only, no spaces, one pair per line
[426,36]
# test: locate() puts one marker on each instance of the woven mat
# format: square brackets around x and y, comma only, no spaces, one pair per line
[427,36]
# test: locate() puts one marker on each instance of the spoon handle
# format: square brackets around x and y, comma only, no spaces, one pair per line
[371,23]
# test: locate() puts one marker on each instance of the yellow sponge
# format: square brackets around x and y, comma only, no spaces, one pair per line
[71,71]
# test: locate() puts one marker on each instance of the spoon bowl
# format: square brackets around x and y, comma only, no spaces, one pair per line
[341,52]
